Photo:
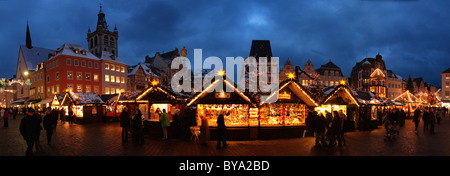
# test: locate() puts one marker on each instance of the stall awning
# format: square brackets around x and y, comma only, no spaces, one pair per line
[19,101]
[45,101]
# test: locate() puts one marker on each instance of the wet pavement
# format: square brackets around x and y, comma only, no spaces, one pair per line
[104,139]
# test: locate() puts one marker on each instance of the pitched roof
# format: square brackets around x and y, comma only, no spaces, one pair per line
[34,55]
[106,55]
[145,66]
[447,71]
[69,49]
[329,66]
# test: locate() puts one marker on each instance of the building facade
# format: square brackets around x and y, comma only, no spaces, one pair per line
[140,77]
[73,68]
[394,85]
[369,75]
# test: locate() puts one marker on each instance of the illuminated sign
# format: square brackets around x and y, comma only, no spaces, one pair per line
[284,96]
[222,95]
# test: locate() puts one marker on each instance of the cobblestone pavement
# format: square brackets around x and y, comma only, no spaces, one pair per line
[104,139]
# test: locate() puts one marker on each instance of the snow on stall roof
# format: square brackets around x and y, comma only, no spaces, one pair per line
[86,98]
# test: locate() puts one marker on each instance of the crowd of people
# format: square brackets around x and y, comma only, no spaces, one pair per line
[328,128]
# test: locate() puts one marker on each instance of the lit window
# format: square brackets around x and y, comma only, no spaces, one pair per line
[113,90]
[106,90]
[123,79]
[107,78]
[69,74]
[122,69]
[112,67]
[79,88]
[95,77]
[107,66]
[88,77]
[88,88]
[117,79]
[79,76]
[112,78]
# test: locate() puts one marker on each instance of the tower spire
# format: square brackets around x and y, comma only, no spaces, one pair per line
[28,38]
[101,22]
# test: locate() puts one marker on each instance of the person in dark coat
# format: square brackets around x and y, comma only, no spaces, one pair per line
[48,125]
[425,120]
[221,130]
[29,128]
[336,129]
[137,127]
[5,118]
[320,126]
[125,123]
[416,118]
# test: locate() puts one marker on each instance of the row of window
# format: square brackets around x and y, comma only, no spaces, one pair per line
[76,62]
[113,67]
[113,90]
[87,88]
[112,78]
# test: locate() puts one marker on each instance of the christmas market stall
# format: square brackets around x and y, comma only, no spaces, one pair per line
[86,107]
[340,98]
[152,102]
[111,108]
[410,101]
[283,116]
[370,110]
[56,101]
[241,116]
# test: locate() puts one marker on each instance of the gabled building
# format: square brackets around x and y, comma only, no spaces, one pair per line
[140,77]
[369,75]
[29,57]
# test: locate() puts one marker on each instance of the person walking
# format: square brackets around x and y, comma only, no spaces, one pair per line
[432,119]
[125,124]
[48,125]
[221,130]
[165,122]
[70,115]
[320,126]
[425,117]
[5,118]
[29,127]
[416,119]
[137,127]
[62,113]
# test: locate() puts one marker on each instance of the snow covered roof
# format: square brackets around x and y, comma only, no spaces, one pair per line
[75,50]
[82,98]
[145,66]
[34,55]
[110,57]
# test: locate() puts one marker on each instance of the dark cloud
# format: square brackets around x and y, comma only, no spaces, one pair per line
[412,36]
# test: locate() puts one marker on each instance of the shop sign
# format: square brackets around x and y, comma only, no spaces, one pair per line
[284,96]
[222,95]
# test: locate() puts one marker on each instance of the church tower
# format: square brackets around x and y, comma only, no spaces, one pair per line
[102,39]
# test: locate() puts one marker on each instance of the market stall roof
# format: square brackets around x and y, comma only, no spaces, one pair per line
[57,99]
[221,97]
[406,97]
[80,98]
[109,98]
[299,91]
[32,101]
[341,95]
[158,93]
